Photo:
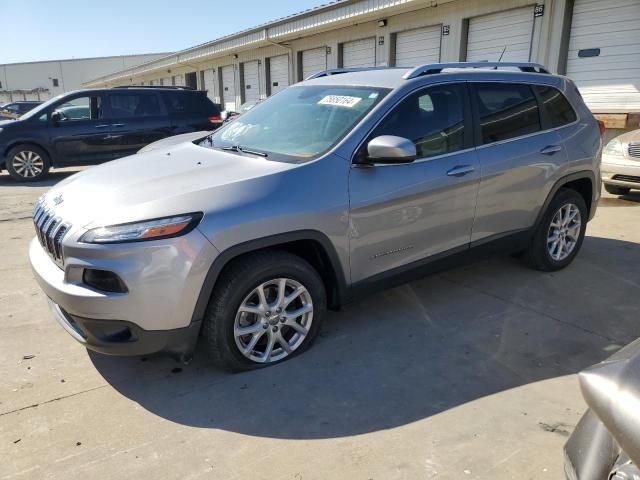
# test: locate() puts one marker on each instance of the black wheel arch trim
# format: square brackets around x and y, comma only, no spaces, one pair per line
[272,241]
[588,174]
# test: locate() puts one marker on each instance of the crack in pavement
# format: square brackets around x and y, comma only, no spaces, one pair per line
[52,400]
[2,220]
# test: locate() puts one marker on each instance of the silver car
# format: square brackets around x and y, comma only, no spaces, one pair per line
[621,164]
[333,188]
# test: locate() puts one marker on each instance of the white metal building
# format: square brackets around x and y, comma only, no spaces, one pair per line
[43,80]
[596,42]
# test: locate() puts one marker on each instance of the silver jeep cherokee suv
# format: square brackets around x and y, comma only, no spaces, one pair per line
[336,186]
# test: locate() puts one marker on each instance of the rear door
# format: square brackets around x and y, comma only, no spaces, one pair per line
[136,119]
[518,158]
[82,137]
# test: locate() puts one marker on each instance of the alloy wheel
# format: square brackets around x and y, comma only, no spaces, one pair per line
[564,232]
[273,320]
[28,164]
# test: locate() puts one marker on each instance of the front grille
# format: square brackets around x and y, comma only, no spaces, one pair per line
[627,178]
[50,231]
[634,149]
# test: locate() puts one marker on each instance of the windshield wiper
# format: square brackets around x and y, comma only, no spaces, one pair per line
[238,148]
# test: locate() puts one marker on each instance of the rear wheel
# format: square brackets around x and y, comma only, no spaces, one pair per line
[616,190]
[265,308]
[560,233]
[27,163]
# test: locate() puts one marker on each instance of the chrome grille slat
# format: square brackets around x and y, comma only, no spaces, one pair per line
[50,230]
[634,149]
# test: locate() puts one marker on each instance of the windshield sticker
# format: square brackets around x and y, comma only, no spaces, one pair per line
[340,101]
[374,95]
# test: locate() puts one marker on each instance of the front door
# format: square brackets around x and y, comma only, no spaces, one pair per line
[79,132]
[405,213]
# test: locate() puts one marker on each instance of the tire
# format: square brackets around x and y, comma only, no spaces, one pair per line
[238,287]
[543,252]
[615,190]
[28,163]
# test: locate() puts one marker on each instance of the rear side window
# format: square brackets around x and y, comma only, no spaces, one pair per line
[131,105]
[506,111]
[190,103]
[556,107]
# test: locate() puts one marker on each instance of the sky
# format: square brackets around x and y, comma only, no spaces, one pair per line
[34,30]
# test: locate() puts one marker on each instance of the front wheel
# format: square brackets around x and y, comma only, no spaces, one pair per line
[27,163]
[559,235]
[266,307]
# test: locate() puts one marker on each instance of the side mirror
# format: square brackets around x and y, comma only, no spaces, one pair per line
[56,117]
[391,149]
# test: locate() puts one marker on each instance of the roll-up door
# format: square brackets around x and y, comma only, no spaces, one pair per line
[278,73]
[250,81]
[228,88]
[604,54]
[314,61]
[209,83]
[510,32]
[418,46]
[359,53]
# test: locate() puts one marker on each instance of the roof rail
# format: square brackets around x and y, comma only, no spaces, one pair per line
[164,87]
[433,68]
[337,71]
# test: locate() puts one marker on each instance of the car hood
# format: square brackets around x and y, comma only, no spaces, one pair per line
[175,140]
[633,136]
[168,181]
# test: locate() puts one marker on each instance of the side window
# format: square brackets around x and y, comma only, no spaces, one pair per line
[557,108]
[132,105]
[432,118]
[186,102]
[506,111]
[80,108]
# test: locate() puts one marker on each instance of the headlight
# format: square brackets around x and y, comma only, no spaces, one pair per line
[155,229]
[614,147]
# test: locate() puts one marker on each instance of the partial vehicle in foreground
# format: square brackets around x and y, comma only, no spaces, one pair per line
[11,111]
[606,442]
[621,164]
[94,126]
[332,188]
[244,108]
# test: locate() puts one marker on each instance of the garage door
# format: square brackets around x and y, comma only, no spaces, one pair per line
[604,54]
[360,53]
[314,61]
[209,83]
[228,88]
[417,47]
[250,81]
[278,73]
[510,31]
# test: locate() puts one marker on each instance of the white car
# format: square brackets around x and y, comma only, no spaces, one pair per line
[621,164]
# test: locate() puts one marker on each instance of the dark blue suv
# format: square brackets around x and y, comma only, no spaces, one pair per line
[93,126]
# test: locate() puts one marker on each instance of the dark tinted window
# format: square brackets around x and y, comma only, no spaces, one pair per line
[80,108]
[134,105]
[506,111]
[433,119]
[557,108]
[190,103]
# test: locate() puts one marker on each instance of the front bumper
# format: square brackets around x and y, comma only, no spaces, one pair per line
[163,280]
[621,172]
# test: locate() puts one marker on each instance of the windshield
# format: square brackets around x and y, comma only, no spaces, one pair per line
[299,123]
[40,108]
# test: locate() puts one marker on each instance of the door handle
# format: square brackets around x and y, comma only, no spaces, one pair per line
[551,149]
[102,126]
[460,170]
[117,124]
